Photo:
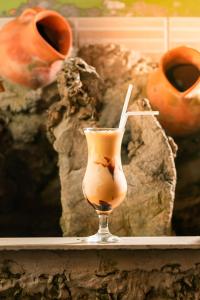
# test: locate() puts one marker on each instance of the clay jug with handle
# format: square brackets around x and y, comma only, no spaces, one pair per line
[32,44]
[174,89]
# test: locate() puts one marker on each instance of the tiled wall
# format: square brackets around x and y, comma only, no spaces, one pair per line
[146,34]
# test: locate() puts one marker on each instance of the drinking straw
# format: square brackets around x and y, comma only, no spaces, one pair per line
[125,114]
[142,113]
[123,117]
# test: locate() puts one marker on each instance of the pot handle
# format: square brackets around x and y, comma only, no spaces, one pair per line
[29,13]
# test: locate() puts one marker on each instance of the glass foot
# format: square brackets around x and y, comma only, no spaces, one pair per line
[102,238]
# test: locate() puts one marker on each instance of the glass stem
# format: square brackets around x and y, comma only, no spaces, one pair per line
[103,224]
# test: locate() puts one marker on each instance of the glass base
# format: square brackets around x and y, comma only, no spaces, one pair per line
[102,238]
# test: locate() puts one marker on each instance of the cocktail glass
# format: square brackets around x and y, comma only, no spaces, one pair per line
[104,184]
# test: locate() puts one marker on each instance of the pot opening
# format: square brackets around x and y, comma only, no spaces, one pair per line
[55,32]
[183,76]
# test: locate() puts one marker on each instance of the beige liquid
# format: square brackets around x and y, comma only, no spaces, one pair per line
[104,183]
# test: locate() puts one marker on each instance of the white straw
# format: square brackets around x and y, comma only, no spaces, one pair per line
[138,113]
[123,121]
[142,113]
[125,114]
[123,117]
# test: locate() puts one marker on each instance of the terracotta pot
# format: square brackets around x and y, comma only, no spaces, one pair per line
[31,43]
[174,89]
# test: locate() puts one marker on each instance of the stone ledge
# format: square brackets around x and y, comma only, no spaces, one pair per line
[76,243]
[138,268]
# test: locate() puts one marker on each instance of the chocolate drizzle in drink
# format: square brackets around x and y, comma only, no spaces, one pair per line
[103,206]
[109,165]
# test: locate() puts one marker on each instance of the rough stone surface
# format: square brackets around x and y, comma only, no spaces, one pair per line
[29,183]
[187,204]
[147,154]
[101,275]
[28,164]
[187,197]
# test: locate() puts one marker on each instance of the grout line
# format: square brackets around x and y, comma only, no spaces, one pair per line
[76,31]
[166,35]
[114,28]
[179,29]
[185,40]
[147,40]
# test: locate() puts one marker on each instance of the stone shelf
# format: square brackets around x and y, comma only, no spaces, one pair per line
[137,268]
[75,243]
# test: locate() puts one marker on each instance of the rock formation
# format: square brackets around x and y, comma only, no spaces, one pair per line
[29,183]
[147,153]
[187,201]
[102,275]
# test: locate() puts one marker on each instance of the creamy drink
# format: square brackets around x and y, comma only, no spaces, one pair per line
[104,184]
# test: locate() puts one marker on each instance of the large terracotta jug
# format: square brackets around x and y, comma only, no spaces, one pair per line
[31,43]
[174,89]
